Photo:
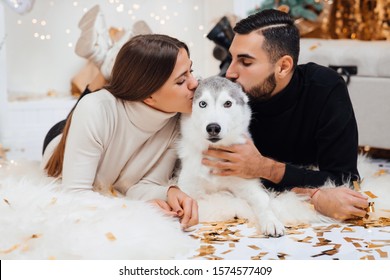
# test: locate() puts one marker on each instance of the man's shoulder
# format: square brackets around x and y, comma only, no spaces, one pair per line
[319,74]
[321,83]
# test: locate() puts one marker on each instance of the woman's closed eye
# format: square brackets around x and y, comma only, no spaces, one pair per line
[182,80]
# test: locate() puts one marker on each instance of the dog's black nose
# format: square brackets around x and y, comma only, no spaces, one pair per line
[213,129]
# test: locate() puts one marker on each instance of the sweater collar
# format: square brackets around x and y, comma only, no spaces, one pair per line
[145,117]
[281,101]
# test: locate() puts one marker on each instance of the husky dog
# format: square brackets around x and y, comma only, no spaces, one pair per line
[221,116]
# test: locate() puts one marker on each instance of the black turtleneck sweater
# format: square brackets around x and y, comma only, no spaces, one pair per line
[309,123]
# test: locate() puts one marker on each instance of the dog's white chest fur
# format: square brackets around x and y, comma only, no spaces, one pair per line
[220,116]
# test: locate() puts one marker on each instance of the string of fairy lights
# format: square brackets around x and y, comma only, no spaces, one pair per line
[159,12]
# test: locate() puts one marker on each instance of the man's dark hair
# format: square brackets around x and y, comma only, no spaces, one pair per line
[280,34]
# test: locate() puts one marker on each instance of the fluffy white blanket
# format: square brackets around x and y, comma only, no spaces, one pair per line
[39,220]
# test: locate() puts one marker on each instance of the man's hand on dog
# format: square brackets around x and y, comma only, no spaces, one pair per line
[243,160]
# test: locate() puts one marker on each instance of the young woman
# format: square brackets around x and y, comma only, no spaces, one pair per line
[121,138]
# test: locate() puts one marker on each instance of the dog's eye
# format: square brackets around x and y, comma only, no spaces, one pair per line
[227,104]
[202,104]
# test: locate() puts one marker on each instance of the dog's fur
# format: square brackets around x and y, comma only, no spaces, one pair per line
[221,116]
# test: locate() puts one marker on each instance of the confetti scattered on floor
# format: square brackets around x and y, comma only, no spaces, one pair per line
[236,239]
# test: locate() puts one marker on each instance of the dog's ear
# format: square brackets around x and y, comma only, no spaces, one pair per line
[241,92]
[245,97]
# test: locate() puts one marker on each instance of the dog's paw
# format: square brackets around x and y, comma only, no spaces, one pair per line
[271,227]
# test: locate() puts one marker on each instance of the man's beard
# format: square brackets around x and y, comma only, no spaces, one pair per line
[263,91]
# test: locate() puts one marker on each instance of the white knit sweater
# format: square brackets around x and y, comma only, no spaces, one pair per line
[121,145]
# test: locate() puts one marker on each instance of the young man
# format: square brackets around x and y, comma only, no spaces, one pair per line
[302,117]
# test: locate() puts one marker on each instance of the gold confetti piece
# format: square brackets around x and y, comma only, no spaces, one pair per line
[194,236]
[259,256]
[347,229]
[381,240]
[380,222]
[206,250]
[364,250]
[214,258]
[357,245]
[313,47]
[322,242]
[232,245]
[356,186]
[372,245]
[329,252]
[320,228]
[382,254]
[307,239]
[370,194]
[6,201]
[332,226]
[282,256]
[290,231]
[370,208]
[368,257]
[52,258]
[337,246]
[254,247]
[296,227]
[381,172]
[110,236]
[7,251]
[351,239]
[226,252]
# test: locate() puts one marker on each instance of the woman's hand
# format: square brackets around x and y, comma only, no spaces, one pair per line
[340,203]
[164,206]
[184,206]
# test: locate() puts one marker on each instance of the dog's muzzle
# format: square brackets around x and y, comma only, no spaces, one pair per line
[213,129]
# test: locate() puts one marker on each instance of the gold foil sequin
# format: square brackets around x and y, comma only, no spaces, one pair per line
[259,256]
[381,172]
[356,186]
[370,194]
[110,236]
[382,254]
[254,247]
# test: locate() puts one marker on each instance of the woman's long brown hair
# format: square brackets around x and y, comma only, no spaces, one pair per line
[142,66]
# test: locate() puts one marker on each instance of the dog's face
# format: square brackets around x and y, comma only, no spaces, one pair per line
[220,112]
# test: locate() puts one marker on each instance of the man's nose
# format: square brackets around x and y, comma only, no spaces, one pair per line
[231,74]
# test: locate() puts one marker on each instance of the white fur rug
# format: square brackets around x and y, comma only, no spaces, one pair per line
[39,220]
